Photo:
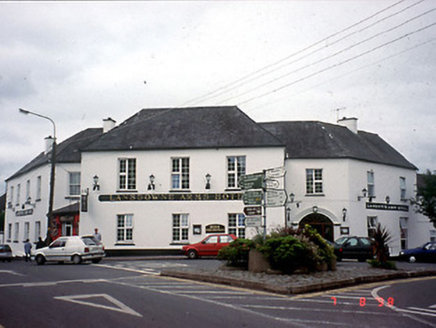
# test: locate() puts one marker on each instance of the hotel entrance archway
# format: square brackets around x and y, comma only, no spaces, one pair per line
[321,223]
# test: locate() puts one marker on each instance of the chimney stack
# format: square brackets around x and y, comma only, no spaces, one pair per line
[350,123]
[108,124]
[48,144]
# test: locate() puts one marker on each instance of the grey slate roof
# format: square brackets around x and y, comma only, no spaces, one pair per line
[68,151]
[318,140]
[186,128]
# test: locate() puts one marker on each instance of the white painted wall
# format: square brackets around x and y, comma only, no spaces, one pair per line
[153,220]
[39,207]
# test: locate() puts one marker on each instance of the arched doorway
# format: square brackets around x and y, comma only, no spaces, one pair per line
[321,223]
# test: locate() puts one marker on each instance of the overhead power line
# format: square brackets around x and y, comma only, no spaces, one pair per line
[329,56]
[338,64]
[348,73]
[209,95]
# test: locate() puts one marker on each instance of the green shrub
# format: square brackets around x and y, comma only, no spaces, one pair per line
[304,249]
[388,265]
[286,254]
[236,254]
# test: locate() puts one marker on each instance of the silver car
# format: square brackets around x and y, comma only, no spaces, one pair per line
[76,249]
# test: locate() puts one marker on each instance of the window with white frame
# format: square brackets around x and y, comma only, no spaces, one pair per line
[38,188]
[124,228]
[314,181]
[74,183]
[127,174]
[27,200]
[11,197]
[372,225]
[18,194]
[432,235]
[26,230]
[237,225]
[180,227]
[370,184]
[9,231]
[236,166]
[37,230]
[402,188]
[180,173]
[403,231]
[17,231]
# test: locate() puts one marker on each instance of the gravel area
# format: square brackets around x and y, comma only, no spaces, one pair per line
[347,274]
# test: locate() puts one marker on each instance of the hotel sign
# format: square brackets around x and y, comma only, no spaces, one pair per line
[170,197]
[387,207]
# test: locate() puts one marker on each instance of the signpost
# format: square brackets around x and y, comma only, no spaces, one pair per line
[276,172]
[261,190]
[252,210]
[253,221]
[251,181]
[276,198]
[253,197]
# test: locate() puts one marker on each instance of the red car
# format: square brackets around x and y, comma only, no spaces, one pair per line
[209,246]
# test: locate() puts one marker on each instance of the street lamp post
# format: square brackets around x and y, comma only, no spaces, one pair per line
[52,173]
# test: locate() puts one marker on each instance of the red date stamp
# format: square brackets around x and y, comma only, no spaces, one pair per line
[362,301]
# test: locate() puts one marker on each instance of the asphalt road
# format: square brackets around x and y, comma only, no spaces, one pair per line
[132,294]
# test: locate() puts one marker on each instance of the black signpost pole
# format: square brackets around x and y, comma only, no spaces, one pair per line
[264,204]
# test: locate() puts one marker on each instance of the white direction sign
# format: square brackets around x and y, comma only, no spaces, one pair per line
[272,183]
[276,172]
[253,221]
[276,197]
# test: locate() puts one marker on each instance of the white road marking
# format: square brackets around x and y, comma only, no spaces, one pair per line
[11,272]
[148,272]
[420,309]
[120,307]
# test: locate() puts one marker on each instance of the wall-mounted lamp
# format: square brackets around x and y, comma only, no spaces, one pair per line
[388,199]
[151,185]
[364,193]
[344,214]
[315,209]
[288,214]
[292,200]
[208,176]
[96,186]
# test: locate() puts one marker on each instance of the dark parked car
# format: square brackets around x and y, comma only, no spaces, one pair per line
[209,246]
[359,248]
[425,253]
[5,253]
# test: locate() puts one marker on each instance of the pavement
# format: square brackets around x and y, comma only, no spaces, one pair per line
[346,274]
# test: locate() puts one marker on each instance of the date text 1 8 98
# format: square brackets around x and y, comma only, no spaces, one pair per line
[362,301]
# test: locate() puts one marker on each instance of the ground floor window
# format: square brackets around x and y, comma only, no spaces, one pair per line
[37,230]
[17,231]
[125,228]
[372,225]
[403,230]
[180,227]
[9,231]
[237,225]
[432,235]
[26,230]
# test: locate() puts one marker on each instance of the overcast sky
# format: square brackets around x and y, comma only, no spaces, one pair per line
[81,62]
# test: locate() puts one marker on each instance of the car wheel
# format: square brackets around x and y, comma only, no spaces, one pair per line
[361,259]
[96,261]
[76,259]
[412,259]
[40,260]
[192,254]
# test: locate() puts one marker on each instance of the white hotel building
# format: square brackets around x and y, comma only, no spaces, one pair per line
[167,177]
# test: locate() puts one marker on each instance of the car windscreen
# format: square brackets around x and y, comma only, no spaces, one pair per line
[90,241]
[341,240]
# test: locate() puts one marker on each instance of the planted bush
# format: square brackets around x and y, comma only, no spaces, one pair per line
[236,254]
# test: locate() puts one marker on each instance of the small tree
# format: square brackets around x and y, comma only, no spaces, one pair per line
[425,202]
[381,238]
